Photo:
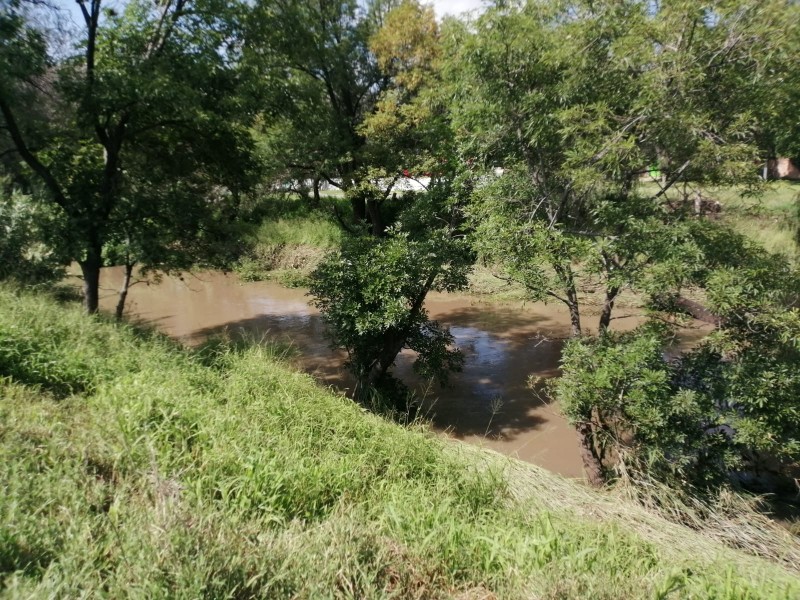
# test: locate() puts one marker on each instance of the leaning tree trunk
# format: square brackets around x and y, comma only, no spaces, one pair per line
[123,291]
[395,339]
[393,344]
[90,269]
[608,306]
[591,462]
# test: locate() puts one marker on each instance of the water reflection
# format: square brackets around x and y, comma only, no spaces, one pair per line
[490,403]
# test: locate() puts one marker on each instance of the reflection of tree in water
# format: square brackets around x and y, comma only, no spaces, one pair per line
[489,400]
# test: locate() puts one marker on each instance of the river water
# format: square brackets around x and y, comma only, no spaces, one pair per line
[490,403]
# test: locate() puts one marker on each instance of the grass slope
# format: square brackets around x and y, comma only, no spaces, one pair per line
[770,219]
[133,468]
[289,242]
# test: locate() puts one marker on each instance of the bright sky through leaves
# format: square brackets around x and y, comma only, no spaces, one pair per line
[455,7]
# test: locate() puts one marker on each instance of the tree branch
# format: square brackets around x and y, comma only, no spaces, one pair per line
[673,180]
[30,158]
[341,221]
[697,311]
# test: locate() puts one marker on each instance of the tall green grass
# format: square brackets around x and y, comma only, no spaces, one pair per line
[288,242]
[770,219]
[130,467]
[314,230]
[290,220]
[770,216]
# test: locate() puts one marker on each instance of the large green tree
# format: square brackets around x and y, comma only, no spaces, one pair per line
[138,106]
[578,101]
[730,406]
[372,292]
[372,295]
[337,84]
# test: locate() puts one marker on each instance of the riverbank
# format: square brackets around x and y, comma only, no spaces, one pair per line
[294,235]
[134,467]
[491,403]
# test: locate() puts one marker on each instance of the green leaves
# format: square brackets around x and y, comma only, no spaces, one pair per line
[32,245]
[637,410]
[721,408]
[138,136]
[576,100]
[372,292]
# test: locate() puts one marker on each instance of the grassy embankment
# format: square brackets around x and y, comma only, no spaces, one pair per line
[290,241]
[769,218]
[131,467]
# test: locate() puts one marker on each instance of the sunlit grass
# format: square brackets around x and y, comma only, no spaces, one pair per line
[312,230]
[131,467]
[769,217]
[289,241]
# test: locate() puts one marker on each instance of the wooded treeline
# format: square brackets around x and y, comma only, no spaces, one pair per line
[567,143]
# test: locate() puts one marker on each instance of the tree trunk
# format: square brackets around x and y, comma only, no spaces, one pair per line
[123,291]
[591,463]
[564,273]
[359,208]
[392,346]
[697,311]
[574,310]
[374,214]
[316,192]
[608,306]
[395,340]
[90,268]
[575,320]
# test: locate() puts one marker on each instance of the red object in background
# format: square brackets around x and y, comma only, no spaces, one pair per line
[406,173]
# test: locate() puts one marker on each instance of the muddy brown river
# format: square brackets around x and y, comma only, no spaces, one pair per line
[490,403]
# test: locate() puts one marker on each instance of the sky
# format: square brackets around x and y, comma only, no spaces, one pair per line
[442,7]
[454,7]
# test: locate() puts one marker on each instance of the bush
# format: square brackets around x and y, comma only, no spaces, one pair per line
[638,414]
[29,241]
[371,295]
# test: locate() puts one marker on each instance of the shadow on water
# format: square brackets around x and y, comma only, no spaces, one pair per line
[303,333]
[490,397]
[489,403]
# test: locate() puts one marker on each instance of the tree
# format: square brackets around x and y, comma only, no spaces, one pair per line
[779,126]
[575,100]
[339,80]
[150,75]
[319,81]
[372,293]
[727,407]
